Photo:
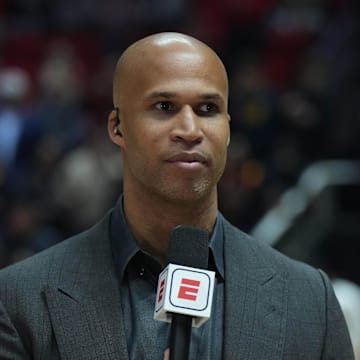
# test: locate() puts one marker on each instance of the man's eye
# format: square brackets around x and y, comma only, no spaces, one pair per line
[208,108]
[165,106]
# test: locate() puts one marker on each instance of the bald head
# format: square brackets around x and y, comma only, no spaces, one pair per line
[147,55]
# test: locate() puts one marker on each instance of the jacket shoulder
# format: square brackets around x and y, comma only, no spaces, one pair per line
[48,264]
[264,255]
[305,300]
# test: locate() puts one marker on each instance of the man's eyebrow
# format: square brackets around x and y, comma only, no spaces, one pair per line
[212,96]
[169,95]
[161,95]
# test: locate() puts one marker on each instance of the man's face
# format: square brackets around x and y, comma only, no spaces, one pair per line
[174,125]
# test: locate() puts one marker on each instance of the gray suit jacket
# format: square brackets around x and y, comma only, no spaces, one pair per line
[64,303]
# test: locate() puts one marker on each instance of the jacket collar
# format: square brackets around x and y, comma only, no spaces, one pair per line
[255,301]
[87,278]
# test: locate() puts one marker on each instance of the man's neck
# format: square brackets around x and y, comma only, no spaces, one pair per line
[151,219]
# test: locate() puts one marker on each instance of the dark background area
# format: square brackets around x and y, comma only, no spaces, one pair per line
[294,100]
[292,177]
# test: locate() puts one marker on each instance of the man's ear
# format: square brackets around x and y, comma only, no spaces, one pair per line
[114,128]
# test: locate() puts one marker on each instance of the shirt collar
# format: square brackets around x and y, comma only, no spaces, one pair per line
[124,246]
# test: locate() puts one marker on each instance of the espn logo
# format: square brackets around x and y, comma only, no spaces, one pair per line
[161,291]
[184,290]
[189,289]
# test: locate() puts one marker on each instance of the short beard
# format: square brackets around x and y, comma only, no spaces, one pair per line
[197,191]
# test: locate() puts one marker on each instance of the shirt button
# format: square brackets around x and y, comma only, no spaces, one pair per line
[141,271]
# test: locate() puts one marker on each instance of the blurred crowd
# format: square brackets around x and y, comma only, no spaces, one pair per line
[294,99]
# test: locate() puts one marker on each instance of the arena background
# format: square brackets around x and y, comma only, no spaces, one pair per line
[292,177]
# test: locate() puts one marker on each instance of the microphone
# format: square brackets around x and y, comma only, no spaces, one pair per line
[185,288]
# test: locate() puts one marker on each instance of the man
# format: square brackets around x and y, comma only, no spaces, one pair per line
[92,296]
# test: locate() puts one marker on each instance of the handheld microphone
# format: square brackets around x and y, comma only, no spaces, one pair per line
[185,288]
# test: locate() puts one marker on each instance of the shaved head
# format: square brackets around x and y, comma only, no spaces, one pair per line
[147,51]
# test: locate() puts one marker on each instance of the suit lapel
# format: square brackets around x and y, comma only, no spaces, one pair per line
[89,329]
[84,304]
[255,303]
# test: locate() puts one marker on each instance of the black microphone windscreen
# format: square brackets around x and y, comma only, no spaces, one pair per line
[189,246]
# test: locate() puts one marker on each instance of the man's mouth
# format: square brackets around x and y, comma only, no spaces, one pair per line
[188,160]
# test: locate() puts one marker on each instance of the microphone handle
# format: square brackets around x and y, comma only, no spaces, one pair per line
[180,337]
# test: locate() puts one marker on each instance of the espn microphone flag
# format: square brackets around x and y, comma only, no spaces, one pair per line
[184,290]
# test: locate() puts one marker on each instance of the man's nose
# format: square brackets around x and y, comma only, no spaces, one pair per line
[187,126]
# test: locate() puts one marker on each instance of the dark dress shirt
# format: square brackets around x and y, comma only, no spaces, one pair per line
[138,274]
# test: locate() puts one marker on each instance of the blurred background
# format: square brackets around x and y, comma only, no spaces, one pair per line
[293,173]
